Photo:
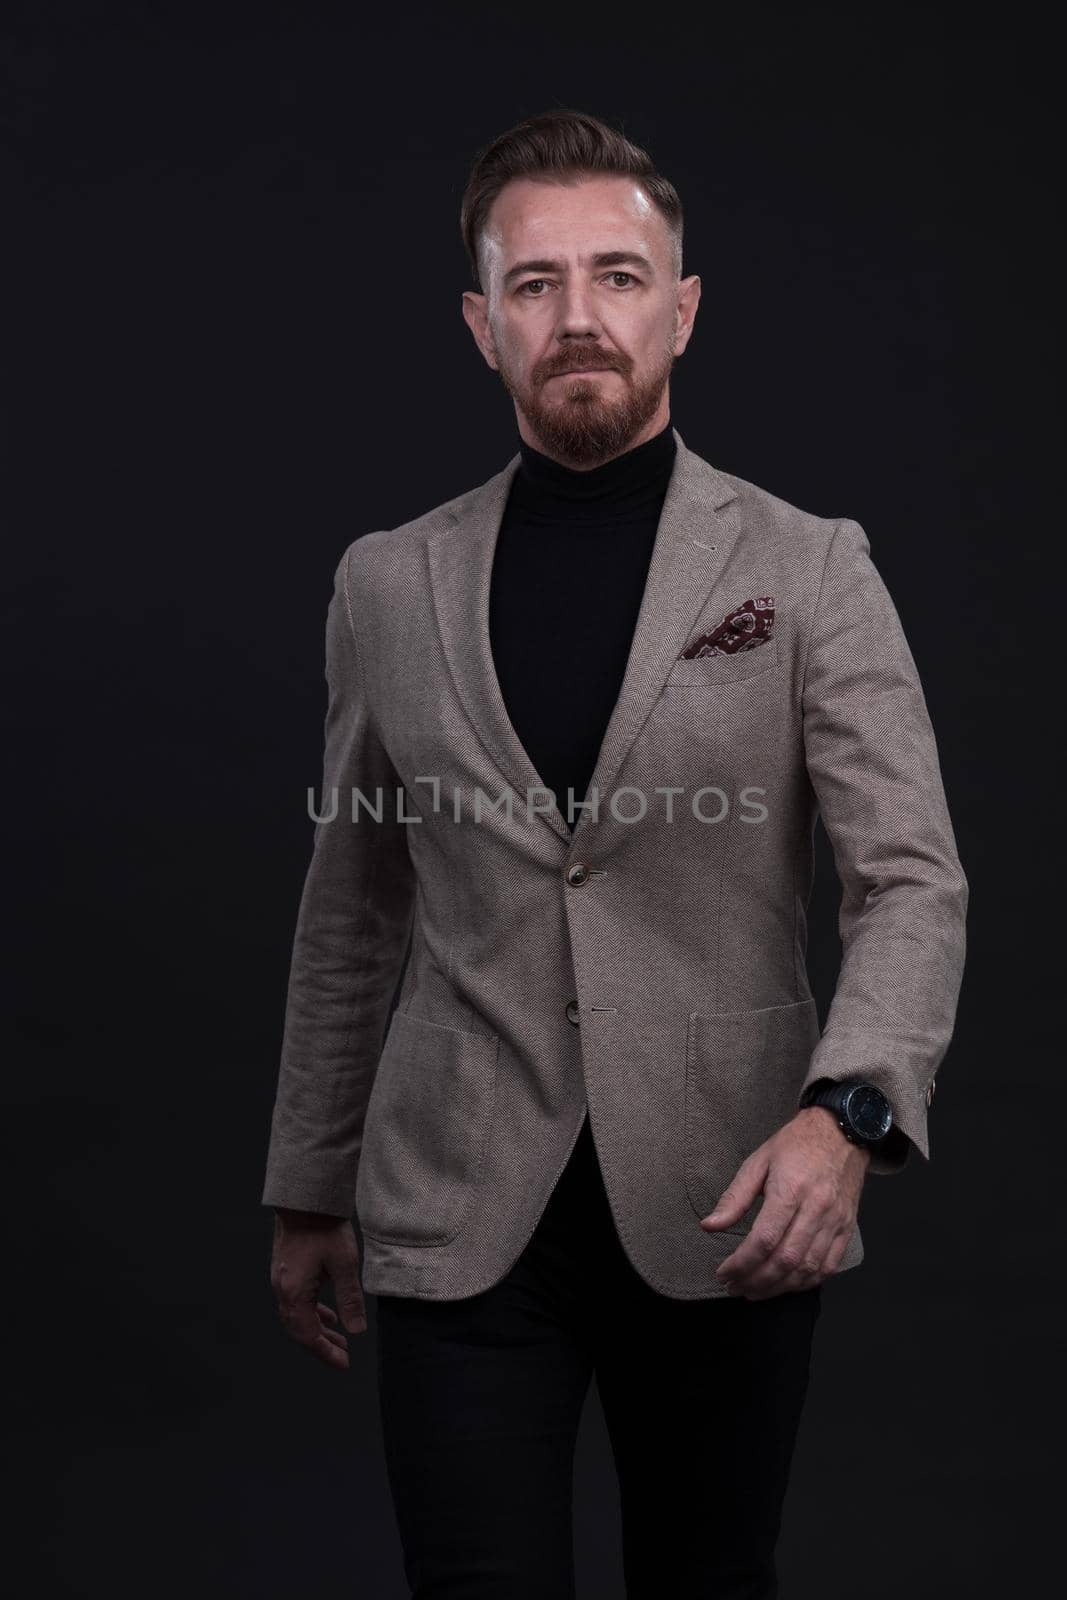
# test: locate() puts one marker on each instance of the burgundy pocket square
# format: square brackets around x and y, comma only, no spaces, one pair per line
[744,628]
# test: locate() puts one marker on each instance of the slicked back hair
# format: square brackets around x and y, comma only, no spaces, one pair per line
[561,146]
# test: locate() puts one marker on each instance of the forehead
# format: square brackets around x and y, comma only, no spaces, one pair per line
[534,216]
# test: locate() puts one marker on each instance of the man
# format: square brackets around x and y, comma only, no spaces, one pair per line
[581,722]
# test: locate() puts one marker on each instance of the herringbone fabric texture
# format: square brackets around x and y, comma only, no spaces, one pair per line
[683,940]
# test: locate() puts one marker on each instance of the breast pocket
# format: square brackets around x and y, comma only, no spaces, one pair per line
[424,1138]
[743,1075]
[711,670]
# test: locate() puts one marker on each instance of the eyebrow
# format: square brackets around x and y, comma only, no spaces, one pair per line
[606,258]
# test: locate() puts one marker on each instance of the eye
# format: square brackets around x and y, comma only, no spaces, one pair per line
[534,282]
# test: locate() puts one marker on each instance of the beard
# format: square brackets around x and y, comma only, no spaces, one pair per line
[573,417]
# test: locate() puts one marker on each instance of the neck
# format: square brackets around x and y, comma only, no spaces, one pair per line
[640,473]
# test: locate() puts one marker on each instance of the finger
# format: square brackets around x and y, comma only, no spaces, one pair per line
[784,1281]
[337,1339]
[775,1217]
[300,1318]
[786,1248]
[331,1331]
[325,1350]
[797,1261]
[805,1241]
[798,1257]
[739,1194]
[349,1297]
[836,1251]
[328,1324]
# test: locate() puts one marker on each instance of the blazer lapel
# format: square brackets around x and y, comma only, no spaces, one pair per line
[693,541]
[461,565]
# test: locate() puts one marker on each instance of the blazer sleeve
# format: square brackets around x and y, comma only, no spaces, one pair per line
[349,946]
[872,760]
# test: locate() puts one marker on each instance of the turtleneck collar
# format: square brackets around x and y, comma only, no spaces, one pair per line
[630,479]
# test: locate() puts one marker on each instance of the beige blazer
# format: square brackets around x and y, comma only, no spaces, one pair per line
[652,966]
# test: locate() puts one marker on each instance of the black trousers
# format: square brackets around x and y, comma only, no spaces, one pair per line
[481,1399]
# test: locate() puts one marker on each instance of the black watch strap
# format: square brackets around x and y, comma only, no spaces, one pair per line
[811,1093]
[829,1092]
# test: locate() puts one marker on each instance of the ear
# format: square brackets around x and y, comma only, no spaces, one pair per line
[475,312]
[688,300]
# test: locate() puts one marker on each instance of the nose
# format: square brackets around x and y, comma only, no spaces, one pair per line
[577,313]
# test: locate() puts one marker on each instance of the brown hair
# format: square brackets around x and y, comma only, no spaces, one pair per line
[560,145]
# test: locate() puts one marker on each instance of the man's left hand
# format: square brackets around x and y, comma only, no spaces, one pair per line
[811,1177]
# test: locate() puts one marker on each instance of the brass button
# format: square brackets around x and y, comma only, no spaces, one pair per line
[572,1012]
[577,872]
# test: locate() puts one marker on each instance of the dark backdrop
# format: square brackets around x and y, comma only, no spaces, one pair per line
[233,342]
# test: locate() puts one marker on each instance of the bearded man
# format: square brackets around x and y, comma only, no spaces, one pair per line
[587,714]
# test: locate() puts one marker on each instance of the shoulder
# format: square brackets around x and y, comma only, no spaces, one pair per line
[807,546]
[374,562]
[807,534]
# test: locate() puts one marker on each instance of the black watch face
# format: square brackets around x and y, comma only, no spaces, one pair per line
[869,1112]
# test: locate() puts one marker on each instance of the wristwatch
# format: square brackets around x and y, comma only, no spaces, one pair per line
[863,1113]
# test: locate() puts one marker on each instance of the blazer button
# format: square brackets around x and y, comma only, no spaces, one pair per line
[930,1091]
[572,1012]
[577,872]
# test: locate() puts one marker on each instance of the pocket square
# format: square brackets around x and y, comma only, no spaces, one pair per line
[744,628]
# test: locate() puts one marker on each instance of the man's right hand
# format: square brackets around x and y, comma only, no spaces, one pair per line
[309,1247]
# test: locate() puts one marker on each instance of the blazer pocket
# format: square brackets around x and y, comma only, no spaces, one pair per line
[743,1075]
[424,1138]
[711,670]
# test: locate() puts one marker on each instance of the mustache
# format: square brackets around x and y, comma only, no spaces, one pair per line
[578,363]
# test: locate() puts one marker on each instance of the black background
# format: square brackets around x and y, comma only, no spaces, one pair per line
[233,343]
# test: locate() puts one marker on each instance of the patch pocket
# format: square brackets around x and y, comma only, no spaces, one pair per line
[743,1075]
[427,1123]
[710,670]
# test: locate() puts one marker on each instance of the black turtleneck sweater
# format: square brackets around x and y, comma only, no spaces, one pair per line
[568,575]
